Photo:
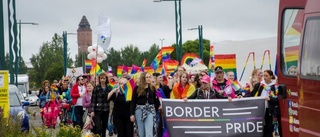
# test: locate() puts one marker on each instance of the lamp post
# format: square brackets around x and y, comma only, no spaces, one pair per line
[2,52]
[161,42]
[200,40]
[65,50]
[178,24]
[19,58]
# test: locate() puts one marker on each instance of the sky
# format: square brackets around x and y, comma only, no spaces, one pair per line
[143,22]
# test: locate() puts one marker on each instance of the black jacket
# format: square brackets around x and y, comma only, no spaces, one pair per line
[99,99]
[199,94]
[273,102]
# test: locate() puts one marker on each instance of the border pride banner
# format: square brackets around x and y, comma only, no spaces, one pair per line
[215,117]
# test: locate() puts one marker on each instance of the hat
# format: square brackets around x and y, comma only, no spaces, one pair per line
[218,69]
[55,81]
[205,79]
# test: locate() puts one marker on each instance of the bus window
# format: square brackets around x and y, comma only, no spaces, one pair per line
[310,61]
[290,46]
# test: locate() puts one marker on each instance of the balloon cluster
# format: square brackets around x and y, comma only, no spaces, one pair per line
[96,52]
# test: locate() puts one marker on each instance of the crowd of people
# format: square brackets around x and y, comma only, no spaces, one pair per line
[97,106]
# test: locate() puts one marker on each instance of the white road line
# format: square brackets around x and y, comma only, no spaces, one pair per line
[196,127]
[240,113]
[235,109]
[202,132]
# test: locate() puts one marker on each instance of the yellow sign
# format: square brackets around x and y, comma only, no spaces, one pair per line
[4,93]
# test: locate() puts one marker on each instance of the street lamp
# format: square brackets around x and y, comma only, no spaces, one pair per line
[30,23]
[65,50]
[200,40]
[18,59]
[178,24]
[161,42]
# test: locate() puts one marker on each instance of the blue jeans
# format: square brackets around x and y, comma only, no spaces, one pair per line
[110,125]
[145,128]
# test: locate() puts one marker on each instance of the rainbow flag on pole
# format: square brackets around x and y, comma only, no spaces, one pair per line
[166,51]
[88,64]
[96,70]
[227,62]
[127,89]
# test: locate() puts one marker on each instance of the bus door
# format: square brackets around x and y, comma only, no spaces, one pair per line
[309,73]
[291,15]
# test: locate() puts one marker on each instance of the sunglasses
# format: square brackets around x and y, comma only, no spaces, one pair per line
[218,72]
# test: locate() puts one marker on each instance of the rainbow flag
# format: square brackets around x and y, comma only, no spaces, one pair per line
[88,64]
[134,69]
[112,83]
[291,56]
[160,93]
[155,63]
[127,89]
[170,65]
[187,58]
[166,51]
[236,85]
[96,70]
[211,58]
[119,70]
[227,62]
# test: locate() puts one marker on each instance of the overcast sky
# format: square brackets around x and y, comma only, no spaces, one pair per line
[144,22]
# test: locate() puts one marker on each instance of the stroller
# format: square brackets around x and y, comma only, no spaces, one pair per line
[64,113]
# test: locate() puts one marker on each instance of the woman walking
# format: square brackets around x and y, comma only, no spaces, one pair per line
[121,111]
[143,107]
[269,90]
[100,105]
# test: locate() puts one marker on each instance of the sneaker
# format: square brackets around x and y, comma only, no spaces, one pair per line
[115,131]
[110,134]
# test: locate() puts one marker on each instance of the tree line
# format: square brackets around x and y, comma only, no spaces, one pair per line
[48,62]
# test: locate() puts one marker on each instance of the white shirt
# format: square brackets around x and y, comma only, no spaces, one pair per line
[264,92]
[82,91]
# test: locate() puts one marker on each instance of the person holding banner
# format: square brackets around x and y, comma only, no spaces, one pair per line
[268,89]
[121,111]
[143,107]
[222,85]
[183,88]
[205,91]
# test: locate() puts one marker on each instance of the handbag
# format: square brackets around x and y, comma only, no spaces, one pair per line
[84,117]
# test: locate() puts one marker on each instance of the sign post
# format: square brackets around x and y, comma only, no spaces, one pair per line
[4,93]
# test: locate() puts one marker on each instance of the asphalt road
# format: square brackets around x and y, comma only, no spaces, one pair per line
[35,120]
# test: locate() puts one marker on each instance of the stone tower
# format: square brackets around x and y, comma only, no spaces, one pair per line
[84,33]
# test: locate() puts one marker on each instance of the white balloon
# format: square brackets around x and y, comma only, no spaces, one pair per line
[90,49]
[93,55]
[99,60]
[94,47]
[104,56]
[89,56]
[100,50]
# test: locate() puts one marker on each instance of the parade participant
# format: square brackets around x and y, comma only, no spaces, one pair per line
[205,91]
[121,111]
[197,81]
[111,128]
[257,73]
[160,84]
[269,90]
[230,75]
[143,107]
[52,108]
[183,88]
[86,103]
[100,105]
[125,74]
[78,90]
[85,79]
[191,80]
[44,84]
[43,100]
[222,85]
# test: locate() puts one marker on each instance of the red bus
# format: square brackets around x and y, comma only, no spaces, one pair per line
[299,67]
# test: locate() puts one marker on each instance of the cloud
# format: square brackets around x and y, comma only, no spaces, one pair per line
[143,22]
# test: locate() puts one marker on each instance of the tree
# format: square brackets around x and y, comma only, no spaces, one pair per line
[22,66]
[48,63]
